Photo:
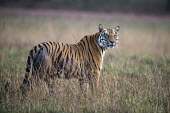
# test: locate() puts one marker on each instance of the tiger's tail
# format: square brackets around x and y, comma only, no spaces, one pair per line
[26,82]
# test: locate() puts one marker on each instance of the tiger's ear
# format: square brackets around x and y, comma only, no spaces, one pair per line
[117,28]
[100,28]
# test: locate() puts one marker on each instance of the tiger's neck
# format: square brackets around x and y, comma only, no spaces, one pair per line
[101,49]
[91,41]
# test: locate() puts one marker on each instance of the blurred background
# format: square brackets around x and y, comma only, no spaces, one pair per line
[135,76]
[145,24]
[138,6]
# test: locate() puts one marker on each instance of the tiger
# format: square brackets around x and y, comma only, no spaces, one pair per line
[82,60]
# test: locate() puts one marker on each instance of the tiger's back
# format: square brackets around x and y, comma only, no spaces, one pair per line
[68,59]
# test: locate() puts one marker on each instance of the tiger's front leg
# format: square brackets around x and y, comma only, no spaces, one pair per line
[94,81]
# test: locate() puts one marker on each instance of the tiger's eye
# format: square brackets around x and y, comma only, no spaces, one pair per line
[106,34]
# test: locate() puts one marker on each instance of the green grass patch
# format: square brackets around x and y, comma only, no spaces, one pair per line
[147,60]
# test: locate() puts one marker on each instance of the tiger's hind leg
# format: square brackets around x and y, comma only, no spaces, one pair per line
[42,64]
[42,67]
[51,86]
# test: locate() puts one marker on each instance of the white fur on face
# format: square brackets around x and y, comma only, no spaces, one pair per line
[102,41]
[117,39]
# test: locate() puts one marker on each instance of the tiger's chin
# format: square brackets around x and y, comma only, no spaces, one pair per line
[112,46]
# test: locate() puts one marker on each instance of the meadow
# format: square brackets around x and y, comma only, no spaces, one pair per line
[135,77]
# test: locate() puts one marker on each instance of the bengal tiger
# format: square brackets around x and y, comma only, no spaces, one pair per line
[82,60]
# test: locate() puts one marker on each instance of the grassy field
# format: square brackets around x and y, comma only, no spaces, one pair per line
[135,77]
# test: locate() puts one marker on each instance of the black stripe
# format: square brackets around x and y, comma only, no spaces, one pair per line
[78,54]
[58,48]
[59,56]
[82,46]
[31,53]
[55,47]
[49,47]
[56,53]
[71,55]
[45,47]
[102,50]
[66,49]
[75,54]
[50,43]
[71,50]
[62,44]
[52,47]
[63,47]
[71,66]
[61,64]
[47,44]
[84,49]
[67,58]
[53,51]
[39,45]
[35,49]
[28,60]
[27,70]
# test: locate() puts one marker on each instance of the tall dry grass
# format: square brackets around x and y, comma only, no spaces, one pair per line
[135,76]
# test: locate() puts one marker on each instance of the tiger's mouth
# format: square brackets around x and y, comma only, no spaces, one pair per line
[112,44]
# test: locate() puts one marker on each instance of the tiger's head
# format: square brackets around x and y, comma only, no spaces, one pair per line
[108,38]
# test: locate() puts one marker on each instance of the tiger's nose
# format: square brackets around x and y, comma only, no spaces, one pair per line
[112,42]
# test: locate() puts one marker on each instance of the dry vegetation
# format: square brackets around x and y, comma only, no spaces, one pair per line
[135,76]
